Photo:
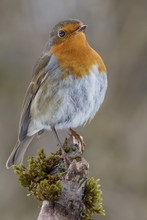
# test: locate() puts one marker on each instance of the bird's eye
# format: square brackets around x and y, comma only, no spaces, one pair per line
[61,34]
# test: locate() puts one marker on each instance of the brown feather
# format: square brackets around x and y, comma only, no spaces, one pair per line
[17,155]
[30,94]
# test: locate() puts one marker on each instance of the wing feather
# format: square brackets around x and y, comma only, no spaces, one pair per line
[39,73]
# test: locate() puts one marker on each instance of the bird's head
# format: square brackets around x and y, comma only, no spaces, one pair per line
[66,30]
[69,45]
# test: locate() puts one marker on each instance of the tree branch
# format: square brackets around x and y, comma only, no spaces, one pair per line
[66,192]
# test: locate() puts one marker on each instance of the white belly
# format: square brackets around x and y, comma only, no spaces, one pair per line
[72,102]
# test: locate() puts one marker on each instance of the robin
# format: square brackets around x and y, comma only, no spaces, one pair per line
[68,86]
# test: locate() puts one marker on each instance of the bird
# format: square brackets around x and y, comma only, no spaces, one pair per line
[68,86]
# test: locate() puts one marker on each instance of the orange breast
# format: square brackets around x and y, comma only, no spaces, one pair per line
[76,56]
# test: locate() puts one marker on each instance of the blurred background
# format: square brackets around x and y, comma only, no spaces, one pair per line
[117,137]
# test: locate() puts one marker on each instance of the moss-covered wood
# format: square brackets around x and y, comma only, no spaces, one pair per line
[68,191]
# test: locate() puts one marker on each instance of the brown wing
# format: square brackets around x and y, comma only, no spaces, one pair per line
[38,75]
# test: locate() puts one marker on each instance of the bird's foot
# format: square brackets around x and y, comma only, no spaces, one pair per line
[74,139]
[78,140]
[64,155]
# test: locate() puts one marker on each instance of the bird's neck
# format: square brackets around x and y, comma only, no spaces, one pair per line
[76,56]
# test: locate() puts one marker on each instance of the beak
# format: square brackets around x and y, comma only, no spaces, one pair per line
[81,28]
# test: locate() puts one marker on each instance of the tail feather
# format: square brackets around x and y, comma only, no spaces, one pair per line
[17,155]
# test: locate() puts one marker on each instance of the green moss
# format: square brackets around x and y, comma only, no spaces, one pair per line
[78,159]
[42,178]
[69,149]
[49,189]
[38,177]
[92,199]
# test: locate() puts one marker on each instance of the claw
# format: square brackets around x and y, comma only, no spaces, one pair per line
[78,140]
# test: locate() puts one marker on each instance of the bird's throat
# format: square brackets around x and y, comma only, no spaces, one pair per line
[76,56]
